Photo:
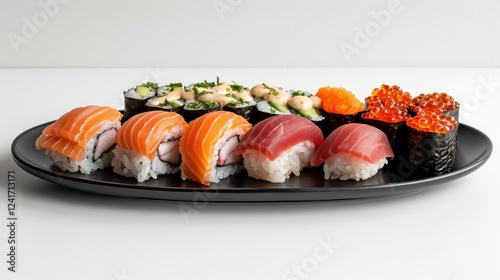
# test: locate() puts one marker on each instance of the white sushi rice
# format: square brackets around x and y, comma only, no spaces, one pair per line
[132,164]
[265,107]
[344,167]
[291,161]
[88,164]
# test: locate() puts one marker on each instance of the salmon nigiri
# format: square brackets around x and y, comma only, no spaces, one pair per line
[81,139]
[353,151]
[207,147]
[147,145]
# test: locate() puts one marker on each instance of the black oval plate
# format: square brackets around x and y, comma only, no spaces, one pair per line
[474,148]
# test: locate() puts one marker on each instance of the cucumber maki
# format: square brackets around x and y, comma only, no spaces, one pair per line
[136,99]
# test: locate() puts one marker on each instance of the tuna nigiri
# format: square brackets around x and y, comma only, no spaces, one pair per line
[207,147]
[278,146]
[81,139]
[147,145]
[353,151]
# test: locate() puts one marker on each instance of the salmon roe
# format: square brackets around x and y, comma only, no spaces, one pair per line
[433,102]
[339,101]
[429,121]
[384,93]
[387,111]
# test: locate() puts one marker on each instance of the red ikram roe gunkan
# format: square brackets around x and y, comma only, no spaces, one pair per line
[387,111]
[432,141]
[435,101]
[339,106]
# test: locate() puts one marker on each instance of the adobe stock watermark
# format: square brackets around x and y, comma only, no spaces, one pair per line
[121,275]
[321,253]
[31,26]
[364,36]
[201,200]
[221,7]
[485,89]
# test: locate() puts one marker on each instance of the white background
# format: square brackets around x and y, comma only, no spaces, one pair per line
[243,33]
[448,233]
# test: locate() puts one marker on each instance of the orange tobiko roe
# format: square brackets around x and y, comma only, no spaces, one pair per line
[429,121]
[339,101]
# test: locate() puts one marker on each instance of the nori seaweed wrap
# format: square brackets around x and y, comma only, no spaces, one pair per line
[136,99]
[390,116]
[339,107]
[195,109]
[432,142]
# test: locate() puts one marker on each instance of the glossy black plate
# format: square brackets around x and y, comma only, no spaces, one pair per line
[474,148]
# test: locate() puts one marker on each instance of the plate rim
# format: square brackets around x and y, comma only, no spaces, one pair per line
[449,176]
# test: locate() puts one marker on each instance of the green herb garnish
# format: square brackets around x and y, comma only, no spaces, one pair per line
[205,84]
[237,87]
[300,93]
[271,90]
[167,103]
[203,105]
[149,85]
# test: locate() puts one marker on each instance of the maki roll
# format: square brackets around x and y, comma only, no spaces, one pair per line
[81,139]
[195,109]
[353,151]
[271,101]
[279,146]
[136,99]
[207,147]
[170,98]
[148,145]
[242,102]
[306,105]
[432,142]
[435,101]
[339,107]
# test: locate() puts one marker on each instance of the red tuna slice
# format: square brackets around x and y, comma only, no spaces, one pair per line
[358,140]
[277,134]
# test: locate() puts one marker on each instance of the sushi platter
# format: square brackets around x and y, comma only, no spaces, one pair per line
[220,142]
[473,150]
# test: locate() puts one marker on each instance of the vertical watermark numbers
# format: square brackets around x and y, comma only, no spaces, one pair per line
[221,7]
[12,222]
[363,36]
[31,26]
[310,264]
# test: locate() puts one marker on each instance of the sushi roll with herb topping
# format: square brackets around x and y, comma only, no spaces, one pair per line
[242,103]
[169,98]
[432,141]
[136,99]
[271,101]
[305,104]
[195,109]
[339,107]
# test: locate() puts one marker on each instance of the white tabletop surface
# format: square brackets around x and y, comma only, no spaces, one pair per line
[450,232]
